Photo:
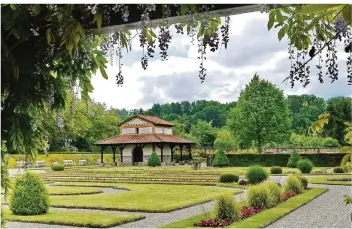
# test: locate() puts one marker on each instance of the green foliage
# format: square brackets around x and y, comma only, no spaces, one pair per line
[338,170]
[257,196]
[292,161]
[345,159]
[227,208]
[331,142]
[204,132]
[268,160]
[304,182]
[293,184]
[347,167]
[228,177]
[274,193]
[305,165]
[261,114]
[347,199]
[297,140]
[256,174]
[29,196]
[225,140]
[154,160]
[276,170]
[220,159]
[57,167]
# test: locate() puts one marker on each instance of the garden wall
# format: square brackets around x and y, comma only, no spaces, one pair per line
[319,160]
[50,158]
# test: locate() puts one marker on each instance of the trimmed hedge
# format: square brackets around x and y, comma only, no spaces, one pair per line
[228,177]
[276,170]
[268,160]
[58,167]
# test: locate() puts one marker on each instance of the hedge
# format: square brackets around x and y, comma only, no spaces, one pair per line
[50,158]
[319,160]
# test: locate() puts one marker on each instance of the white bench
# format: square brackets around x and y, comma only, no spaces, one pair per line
[39,163]
[68,162]
[82,162]
[19,164]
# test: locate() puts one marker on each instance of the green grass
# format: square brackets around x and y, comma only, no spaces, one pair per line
[144,197]
[61,190]
[81,219]
[324,180]
[261,219]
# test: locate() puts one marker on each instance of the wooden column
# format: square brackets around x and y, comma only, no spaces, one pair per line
[102,155]
[121,147]
[161,146]
[113,147]
[181,146]
[190,151]
[153,147]
[172,146]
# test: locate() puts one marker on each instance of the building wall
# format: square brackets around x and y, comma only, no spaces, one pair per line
[147,151]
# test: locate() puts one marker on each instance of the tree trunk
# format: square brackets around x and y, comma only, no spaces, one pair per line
[259,145]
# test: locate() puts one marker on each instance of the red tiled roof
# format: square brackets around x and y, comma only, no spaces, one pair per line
[153,119]
[143,138]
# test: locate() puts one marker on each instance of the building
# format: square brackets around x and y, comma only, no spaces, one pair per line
[141,135]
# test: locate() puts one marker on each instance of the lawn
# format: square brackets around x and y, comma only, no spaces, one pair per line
[144,197]
[261,219]
[61,190]
[81,219]
[324,180]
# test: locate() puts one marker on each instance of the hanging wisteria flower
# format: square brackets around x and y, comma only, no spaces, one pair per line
[59,121]
[34,31]
[34,127]
[340,28]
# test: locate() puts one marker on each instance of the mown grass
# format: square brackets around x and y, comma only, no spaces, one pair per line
[62,190]
[144,197]
[261,219]
[324,180]
[81,219]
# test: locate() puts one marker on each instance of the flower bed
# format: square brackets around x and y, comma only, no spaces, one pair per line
[287,195]
[249,211]
[131,179]
[213,223]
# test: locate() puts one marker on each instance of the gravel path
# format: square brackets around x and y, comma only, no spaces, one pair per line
[326,211]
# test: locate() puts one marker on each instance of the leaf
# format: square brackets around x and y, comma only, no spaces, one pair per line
[184,8]
[48,35]
[152,33]
[315,8]
[99,19]
[149,37]
[347,14]
[281,33]
[270,24]
[59,17]
[279,17]
[103,72]
[200,31]
[53,74]
[345,149]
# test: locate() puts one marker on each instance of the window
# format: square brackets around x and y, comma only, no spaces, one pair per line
[137,130]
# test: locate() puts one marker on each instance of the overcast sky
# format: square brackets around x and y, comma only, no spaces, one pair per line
[252,48]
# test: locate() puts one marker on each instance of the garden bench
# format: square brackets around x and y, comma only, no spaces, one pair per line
[39,163]
[68,162]
[99,161]
[82,162]
[19,164]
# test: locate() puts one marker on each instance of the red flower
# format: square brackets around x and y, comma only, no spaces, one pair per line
[287,195]
[213,223]
[249,211]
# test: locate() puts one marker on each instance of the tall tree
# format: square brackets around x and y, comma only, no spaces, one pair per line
[204,132]
[261,114]
[225,139]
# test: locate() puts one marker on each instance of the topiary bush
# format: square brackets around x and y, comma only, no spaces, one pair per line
[256,174]
[274,193]
[338,170]
[293,184]
[347,167]
[257,196]
[228,177]
[220,159]
[293,159]
[29,196]
[227,208]
[276,170]
[305,165]
[57,167]
[154,160]
[345,159]
[304,182]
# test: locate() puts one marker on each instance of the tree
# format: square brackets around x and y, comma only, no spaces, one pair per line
[292,161]
[220,159]
[225,140]
[261,114]
[154,160]
[204,132]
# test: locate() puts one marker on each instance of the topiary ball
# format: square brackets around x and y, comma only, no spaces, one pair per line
[276,170]
[29,196]
[293,184]
[304,182]
[57,167]
[338,170]
[228,177]
[256,174]
[305,165]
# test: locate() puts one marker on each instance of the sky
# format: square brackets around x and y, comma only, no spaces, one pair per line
[251,49]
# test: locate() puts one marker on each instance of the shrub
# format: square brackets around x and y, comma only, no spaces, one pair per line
[276,170]
[29,196]
[338,170]
[228,177]
[274,192]
[256,174]
[347,167]
[330,142]
[220,159]
[257,196]
[154,160]
[249,211]
[227,208]
[293,184]
[293,159]
[304,182]
[57,167]
[305,165]
[345,159]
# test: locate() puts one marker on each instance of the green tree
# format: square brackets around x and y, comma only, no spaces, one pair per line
[261,114]
[204,132]
[154,160]
[292,161]
[225,139]
[220,159]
